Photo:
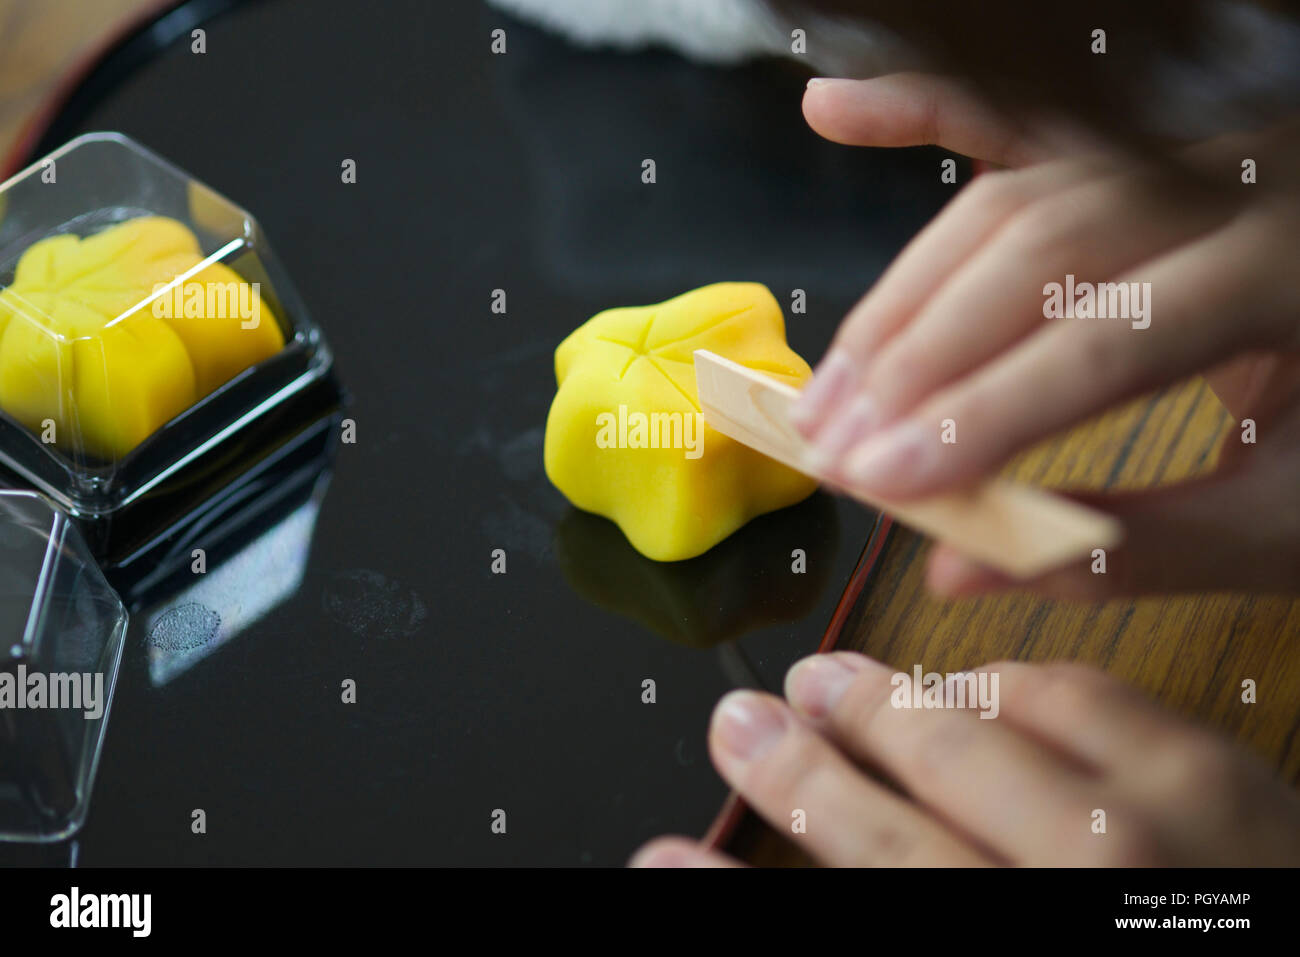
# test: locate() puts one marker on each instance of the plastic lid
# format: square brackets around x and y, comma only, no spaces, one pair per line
[62,630]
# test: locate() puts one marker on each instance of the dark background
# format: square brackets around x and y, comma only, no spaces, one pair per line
[477,692]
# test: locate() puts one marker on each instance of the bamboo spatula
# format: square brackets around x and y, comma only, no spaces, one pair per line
[1017,529]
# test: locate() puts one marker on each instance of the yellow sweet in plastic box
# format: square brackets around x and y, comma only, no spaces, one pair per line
[83,347]
[626,438]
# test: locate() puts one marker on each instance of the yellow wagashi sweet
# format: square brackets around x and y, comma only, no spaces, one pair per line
[78,348]
[626,438]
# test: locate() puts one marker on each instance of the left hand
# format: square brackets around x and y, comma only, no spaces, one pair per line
[1023,788]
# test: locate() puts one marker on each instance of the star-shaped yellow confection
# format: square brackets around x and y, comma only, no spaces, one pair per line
[82,347]
[626,437]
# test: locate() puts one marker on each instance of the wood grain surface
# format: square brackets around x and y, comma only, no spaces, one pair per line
[1190,653]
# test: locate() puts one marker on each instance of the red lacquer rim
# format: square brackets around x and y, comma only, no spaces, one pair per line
[40,121]
[734,808]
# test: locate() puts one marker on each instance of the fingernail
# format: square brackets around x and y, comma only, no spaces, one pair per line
[748,724]
[832,382]
[894,459]
[846,427]
[827,81]
[663,855]
[814,686]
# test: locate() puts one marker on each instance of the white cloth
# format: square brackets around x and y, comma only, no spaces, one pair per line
[713,31]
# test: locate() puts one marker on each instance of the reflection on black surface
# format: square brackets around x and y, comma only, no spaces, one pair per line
[743,583]
[252,543]
[185,628]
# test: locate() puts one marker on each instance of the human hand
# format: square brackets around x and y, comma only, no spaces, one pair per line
[955,330]
[1021,789]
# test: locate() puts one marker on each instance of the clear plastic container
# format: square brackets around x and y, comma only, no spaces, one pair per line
[62,628]
[151,345]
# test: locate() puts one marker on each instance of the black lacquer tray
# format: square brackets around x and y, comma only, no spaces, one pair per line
[371,563]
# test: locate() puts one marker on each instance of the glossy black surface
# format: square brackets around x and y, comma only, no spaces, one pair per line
[475,691]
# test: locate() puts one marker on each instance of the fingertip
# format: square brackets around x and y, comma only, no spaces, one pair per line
[899,462]
[823,106]
[675,852]
[831,385]
[664,852]
[951,574]
[814,684]
[812,100]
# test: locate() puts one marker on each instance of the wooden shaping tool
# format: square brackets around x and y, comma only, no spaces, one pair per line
[1017,529]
